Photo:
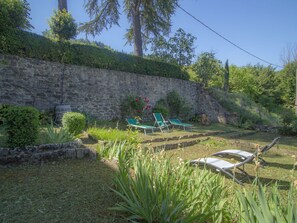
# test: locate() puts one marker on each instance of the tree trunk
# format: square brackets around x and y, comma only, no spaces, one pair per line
[137,33]
[62,4]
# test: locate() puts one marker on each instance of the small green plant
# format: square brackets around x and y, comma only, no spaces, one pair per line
[113,150]
[74,122]
[135,106]
[62,25]
[22,125]
[110,135]
[55,135]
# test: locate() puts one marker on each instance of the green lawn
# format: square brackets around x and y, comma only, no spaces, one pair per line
[66,191]
[79,190]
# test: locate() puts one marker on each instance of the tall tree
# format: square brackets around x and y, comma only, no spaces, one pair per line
[62,4]
[146,17]
[226,76]
[206,67]
[178,49]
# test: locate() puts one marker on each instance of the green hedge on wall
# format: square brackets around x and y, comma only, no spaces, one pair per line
[27,44]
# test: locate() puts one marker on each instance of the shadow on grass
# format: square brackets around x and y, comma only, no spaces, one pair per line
[64,191]
[280,165]
[282,184]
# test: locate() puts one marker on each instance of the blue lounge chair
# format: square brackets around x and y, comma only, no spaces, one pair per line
[132,122]
[177,122]
[160,121]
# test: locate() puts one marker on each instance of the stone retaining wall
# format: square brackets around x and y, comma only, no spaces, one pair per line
[97,92]
[44,153]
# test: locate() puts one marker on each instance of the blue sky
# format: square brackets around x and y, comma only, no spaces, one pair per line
[262,27]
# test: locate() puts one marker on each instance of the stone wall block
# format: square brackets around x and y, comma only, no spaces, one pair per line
[97,92]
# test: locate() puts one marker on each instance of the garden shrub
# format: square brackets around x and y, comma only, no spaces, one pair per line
[161,107]
[74,122]
[55,135]
[27,44]
[22,125]
[14,15]
[174,102]
[3,108]
[62,25]
[135,106]
[289,123]
[173,105]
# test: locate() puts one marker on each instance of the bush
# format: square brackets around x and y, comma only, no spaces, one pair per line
[161,107]
[35,46]
[135,106]
[3,108]
[62,25]
[289,123]
[74,122]
[173,106]
[54,135]
[14,15]
[22,125]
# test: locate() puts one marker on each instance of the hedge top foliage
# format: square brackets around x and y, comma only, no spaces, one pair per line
[27,44]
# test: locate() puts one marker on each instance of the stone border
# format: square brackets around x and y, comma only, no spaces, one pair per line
[44,153]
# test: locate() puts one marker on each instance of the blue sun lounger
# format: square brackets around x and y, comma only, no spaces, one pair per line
[177,122]
[160,121]
[132,122]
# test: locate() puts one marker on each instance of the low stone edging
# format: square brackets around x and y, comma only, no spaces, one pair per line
[44,153]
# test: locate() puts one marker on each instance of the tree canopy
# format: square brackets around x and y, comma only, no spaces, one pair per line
[178,49]
[206,67]
[146,18]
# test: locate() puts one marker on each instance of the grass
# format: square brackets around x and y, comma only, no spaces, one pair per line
[79,190]
[279,158]
[66,191]
[107,134]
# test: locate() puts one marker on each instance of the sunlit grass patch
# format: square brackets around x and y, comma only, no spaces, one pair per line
[107,134]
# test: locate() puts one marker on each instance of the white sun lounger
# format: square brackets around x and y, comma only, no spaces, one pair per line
[222,166]
[243,155]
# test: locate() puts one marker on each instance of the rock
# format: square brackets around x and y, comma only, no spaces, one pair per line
[80,153]
[70,154]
